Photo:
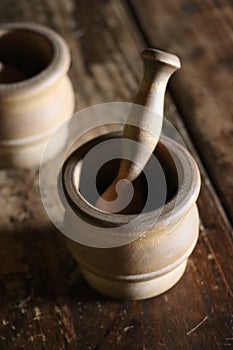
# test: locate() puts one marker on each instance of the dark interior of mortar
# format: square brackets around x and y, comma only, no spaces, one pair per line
[23,54]
[108,172]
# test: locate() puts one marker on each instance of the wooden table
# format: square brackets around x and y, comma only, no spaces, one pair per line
[44,301]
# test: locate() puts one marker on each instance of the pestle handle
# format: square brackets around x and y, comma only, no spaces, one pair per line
[147,126]
[158,67]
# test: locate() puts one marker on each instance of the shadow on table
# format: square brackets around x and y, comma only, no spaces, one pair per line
[37,263]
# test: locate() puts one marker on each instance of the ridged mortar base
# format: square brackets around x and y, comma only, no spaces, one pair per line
[132,289]
[20,157]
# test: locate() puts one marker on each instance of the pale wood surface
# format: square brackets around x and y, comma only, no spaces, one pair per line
[44,302]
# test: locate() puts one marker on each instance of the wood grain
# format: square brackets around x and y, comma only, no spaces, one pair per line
[44,302]
[201,33]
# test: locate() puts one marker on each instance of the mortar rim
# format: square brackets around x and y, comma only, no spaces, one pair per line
[188,192]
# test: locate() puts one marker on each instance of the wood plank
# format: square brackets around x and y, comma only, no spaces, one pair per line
[201,33]
[45,304]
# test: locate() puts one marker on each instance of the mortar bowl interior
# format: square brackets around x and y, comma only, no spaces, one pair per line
[23,54]
[178,167]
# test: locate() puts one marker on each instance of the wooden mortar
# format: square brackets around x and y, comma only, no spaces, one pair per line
[153,263]
[36,95]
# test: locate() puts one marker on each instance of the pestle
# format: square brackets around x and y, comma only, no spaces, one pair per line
[158,68]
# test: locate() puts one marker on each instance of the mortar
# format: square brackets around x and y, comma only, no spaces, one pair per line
[36,94]
[156,260]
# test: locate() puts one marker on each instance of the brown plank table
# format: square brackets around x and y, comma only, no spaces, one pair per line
[44,301]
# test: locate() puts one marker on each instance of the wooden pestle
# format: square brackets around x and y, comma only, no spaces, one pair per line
[146,128]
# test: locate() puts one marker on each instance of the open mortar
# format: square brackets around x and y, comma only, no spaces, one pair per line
[154,261]
[36,94]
